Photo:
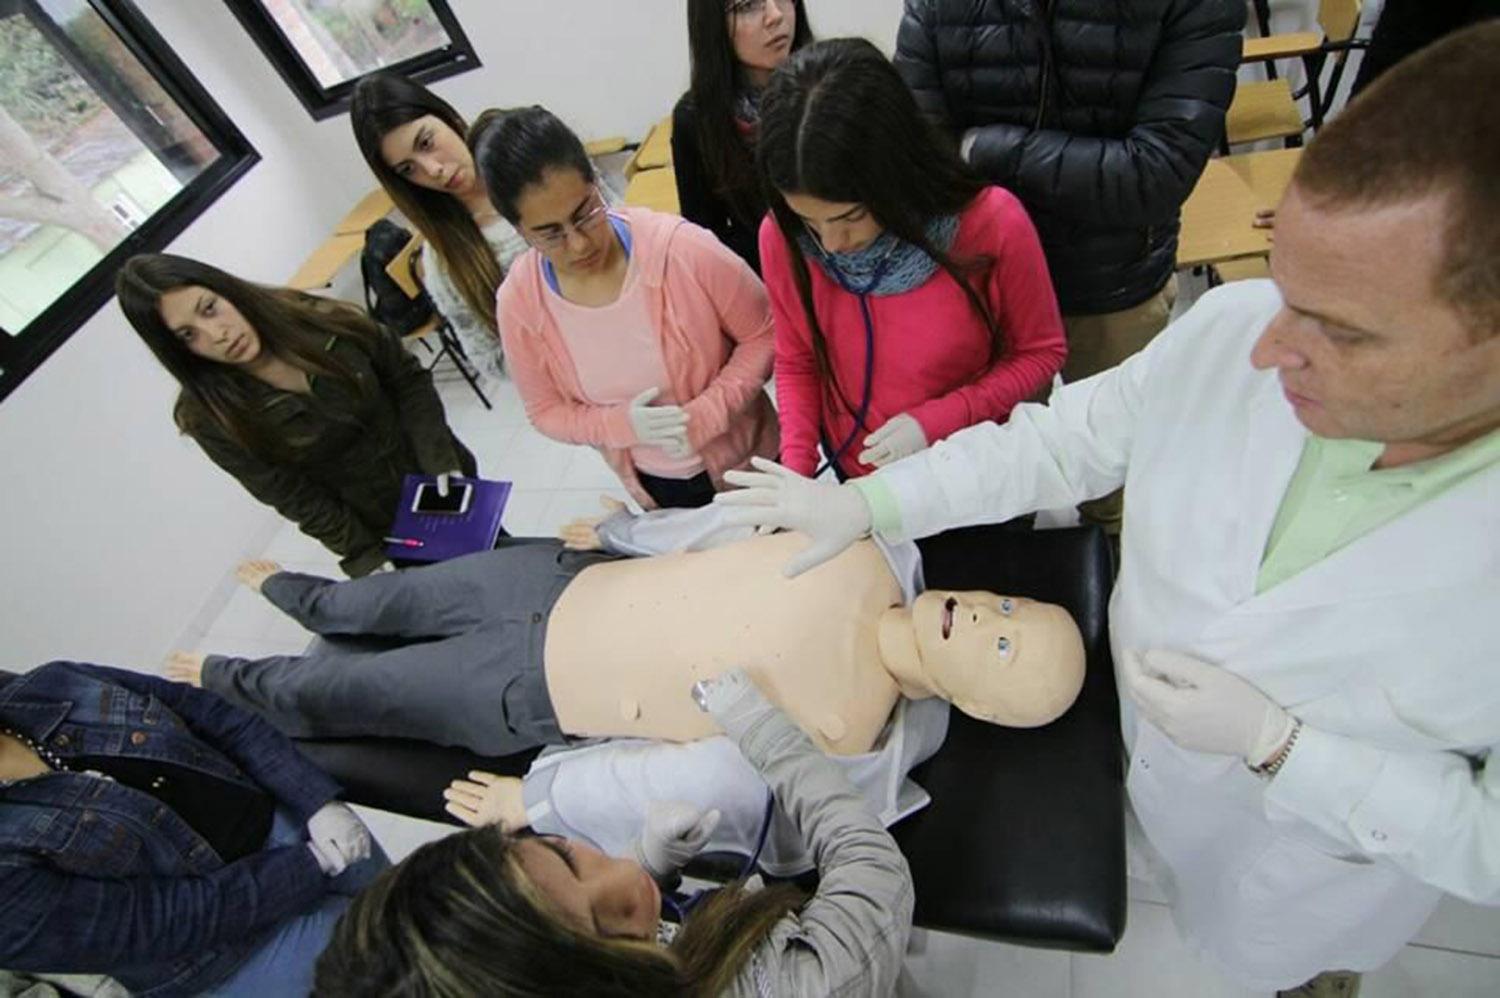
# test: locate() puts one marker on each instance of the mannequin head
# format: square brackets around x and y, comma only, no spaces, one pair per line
[1003,659]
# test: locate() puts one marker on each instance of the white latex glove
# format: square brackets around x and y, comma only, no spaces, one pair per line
[834,516]
[663,426]
[901,436]
[675,832]
[382,568]
[337,838]
[443,479]
[582,534]
[1203,707]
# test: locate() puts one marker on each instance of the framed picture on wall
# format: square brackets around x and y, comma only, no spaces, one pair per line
[322,47]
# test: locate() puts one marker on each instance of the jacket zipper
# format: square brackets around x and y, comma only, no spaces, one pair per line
[1041,106]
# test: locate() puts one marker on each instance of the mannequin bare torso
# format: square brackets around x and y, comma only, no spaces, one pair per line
[627,640]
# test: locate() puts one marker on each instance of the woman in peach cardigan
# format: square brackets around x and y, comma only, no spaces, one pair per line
[632,331]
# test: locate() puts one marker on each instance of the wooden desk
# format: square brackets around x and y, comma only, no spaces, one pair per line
[348,238]
[655,152]
[371,208]
[319,269]
[1216,217]
[654,189]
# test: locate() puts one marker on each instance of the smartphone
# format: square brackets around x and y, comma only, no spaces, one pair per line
[454,503]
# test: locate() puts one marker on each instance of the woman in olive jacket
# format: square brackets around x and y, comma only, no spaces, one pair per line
[317,411]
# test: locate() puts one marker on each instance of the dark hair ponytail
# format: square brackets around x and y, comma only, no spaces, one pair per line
[838,123]
[514,149]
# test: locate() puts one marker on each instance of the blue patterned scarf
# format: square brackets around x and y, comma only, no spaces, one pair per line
[888,266]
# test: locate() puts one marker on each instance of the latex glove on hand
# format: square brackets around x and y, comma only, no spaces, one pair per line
[901,436]
[663,426]
[444,479]
[487,799]
[583,533]
[337,838]
[1203,707]
[675,832]
[734,701]
[834,516]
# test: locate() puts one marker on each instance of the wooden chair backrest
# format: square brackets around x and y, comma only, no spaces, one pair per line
[1339,18]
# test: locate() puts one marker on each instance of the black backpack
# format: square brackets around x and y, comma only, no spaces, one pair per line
[384,300]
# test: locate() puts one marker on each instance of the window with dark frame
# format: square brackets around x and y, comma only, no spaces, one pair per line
[108,148]
[321,48]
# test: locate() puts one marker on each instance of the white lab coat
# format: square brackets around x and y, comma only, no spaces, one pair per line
[1388,649]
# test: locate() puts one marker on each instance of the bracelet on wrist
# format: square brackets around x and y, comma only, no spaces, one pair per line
[1272,766]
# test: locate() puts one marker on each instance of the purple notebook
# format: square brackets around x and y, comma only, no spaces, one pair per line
[444,535]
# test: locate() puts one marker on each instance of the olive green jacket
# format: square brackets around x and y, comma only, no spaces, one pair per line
[348,454]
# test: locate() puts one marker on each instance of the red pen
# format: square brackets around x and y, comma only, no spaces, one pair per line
[406,542]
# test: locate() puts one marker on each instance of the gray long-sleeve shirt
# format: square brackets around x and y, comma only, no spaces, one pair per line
[849,938]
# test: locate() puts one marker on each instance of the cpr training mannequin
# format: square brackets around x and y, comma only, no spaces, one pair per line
[532,642]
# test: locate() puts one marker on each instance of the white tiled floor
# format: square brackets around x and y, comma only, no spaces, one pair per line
[1457,955]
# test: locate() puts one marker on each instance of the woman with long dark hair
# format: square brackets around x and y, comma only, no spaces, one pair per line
[413,141]
[911,300]
[733,47]
[485,912]
[632,331]
[316,410]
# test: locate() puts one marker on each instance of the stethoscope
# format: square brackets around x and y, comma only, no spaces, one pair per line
[863,294]
[677,906]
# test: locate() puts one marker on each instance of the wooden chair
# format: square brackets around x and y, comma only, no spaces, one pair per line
[405,269]
[1269,109]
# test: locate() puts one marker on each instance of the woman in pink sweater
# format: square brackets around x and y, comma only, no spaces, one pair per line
[910,299]
[635,332]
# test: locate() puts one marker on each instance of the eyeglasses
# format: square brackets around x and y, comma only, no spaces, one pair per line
[558,238]
[750,8]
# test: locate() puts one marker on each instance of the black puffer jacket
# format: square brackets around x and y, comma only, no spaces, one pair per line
[1098,114]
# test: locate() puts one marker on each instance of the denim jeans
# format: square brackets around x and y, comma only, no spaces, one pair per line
[283,963]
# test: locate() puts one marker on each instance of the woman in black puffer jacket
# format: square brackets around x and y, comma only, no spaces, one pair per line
[1098,114]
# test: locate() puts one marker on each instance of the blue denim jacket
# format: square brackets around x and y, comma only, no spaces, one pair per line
[101,878]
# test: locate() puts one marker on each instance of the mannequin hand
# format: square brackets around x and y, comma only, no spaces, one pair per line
[901,436]
[834,516]
[583,533]
[487,799]
[675,832]
[1203,707]
[337,838]
[442,481]
[659,425]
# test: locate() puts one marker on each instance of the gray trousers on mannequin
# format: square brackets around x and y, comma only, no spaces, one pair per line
[467,667]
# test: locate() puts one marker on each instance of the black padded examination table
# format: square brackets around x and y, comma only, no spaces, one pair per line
[1024,839]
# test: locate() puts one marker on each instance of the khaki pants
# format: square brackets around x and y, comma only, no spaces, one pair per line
[1097,343]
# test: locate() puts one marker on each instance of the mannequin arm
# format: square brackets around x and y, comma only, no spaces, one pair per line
[667,530]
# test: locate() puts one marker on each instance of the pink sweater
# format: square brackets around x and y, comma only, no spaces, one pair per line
[932,350]
[716,341]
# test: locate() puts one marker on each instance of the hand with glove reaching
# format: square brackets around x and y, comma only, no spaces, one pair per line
[1204,707]
[901,436]
[772,496]
[337,838]
[675,832]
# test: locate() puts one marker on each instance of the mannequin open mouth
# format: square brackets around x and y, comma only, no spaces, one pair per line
[949,605]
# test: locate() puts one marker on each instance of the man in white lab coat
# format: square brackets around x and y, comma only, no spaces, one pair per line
[1307,618]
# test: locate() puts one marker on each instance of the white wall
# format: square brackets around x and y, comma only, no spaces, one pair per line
[115,533]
